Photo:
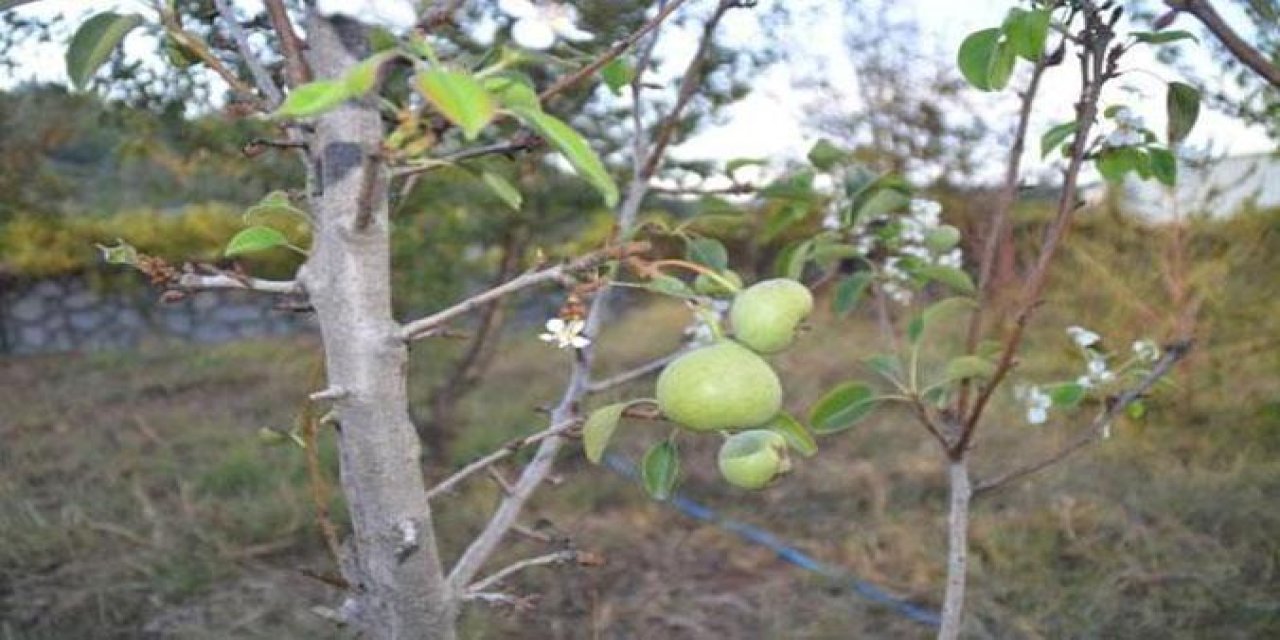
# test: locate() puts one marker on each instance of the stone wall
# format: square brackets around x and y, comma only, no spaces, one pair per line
[68,314]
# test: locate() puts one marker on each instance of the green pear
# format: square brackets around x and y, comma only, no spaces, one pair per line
[719,386]
[752,459]
[766,314]
[943,238]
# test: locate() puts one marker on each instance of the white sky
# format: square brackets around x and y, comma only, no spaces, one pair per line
[770,123]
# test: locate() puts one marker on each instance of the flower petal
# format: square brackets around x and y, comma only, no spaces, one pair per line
[531,33]
[518,9]
[555,325]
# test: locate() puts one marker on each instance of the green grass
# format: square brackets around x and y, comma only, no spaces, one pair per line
[135,494]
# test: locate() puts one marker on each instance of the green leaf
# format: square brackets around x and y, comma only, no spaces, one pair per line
[574,148]
[661,469]
[502,188]
[796,260]
[93,43]
[842,407]
[1066,395]
[1056,135]
[825,155]
[363,77]
[827,253]
[1115,162]
[256,238]
[669,286]
[617,74]
[945,307]
[1027,32]
[966,367]
[122,253]
[986,59]
[798,437]
[884,364]
[738,163]
[1163,37]
[274,203]
[957,279]
[1163,165]
[599,428]
[915,328]
[1002,66]
[459,97]
[849,291]
[513,89]
[880,201]
[313,99]
[709,252]
[1136,410]
[1183,104]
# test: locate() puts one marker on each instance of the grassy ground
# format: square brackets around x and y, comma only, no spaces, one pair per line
[137,501]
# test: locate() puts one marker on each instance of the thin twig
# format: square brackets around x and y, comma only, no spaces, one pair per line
[197,46]
[613,52]
[690,81]
[295,64]
[261,76]
[507,449]
[1000,219]
[522,142]
[422,327]
[635,373]
[508,511]
[1097,67]
[197,282]
[1172,354]
[559,557]
[1244,52]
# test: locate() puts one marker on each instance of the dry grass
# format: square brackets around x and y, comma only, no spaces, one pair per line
[136,501]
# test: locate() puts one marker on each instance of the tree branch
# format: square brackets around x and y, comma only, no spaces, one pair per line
[598,386]
[508,511]
[559,557]
[198,282]
[613,52]
[261,76]
[295,63]
[1000,219]
[171,25]
[1244,52]
[1172,354]
[689,83]
[522,142]
[1097,67]
[507,449]
[422,327]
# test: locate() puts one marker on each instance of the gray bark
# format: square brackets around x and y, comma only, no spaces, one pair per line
[957,550]
[399,590]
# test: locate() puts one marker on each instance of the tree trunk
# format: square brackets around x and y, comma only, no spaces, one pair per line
[398,588]
[957,549]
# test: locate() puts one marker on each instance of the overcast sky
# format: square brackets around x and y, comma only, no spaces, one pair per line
[770,123]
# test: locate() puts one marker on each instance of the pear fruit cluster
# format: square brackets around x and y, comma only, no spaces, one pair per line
[727,386]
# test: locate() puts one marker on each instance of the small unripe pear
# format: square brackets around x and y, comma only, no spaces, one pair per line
[943,238]
[766,314]
[708,286]
[719,386]
[753,459]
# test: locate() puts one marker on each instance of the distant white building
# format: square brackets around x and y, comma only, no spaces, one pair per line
[1216,188]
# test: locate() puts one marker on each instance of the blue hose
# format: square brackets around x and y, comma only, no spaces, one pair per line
[754,534]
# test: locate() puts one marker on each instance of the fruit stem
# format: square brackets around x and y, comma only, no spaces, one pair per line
[697,268]
[712,321]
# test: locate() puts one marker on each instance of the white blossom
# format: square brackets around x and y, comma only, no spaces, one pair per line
[1038,403]
[397,15]
[1083,337]
[565,334]
[1146,350]
[539,24]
